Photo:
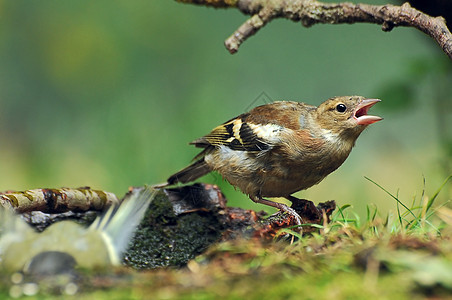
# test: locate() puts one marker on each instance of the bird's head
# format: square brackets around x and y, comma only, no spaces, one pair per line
[346,115]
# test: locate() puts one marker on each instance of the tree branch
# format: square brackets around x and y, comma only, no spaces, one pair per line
[57,200]
[310,12]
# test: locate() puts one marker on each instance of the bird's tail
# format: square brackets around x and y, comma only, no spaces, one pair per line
[119,222]
[192,172]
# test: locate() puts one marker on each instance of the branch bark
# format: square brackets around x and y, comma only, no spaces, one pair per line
[310,12]
[57,200]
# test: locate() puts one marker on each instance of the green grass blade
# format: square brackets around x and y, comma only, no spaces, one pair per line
[341,211]
[398,212]
[430,202]
[392,196]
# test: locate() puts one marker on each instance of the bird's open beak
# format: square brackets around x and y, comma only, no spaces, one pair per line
[361,116]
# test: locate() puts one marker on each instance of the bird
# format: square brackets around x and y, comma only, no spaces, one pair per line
[66,244]
[280,148]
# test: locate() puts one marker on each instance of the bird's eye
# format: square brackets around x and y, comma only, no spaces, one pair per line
[341,108]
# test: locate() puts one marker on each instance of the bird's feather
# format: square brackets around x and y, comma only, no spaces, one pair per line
[192,172]
[119,222]
[236,135]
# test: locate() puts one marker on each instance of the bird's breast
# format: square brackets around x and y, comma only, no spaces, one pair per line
[278,172]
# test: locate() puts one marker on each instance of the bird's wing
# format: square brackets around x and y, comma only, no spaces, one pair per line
[238,134]
[258,131]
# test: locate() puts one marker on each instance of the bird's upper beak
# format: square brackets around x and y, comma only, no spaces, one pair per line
[360,114]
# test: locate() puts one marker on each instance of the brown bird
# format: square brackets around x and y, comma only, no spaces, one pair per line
[280,148]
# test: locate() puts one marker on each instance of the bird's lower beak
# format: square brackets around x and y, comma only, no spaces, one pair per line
[361,116]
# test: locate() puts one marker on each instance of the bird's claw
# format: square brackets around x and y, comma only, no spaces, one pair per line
[292,212]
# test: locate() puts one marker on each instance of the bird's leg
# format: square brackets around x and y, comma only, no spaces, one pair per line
[280,206]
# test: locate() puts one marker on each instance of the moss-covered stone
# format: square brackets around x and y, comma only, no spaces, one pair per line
[164,239]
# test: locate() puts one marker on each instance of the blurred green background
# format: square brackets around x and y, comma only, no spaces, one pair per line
[108,94]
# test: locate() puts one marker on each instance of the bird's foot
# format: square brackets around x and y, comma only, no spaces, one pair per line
[281,207]
[292,212]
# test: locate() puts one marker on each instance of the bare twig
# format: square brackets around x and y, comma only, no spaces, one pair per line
[57,200]
[310,12]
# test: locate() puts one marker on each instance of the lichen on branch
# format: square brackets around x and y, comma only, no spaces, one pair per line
[57,200]
[311,12]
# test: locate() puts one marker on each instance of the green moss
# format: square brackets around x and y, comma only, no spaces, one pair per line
[164,239]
